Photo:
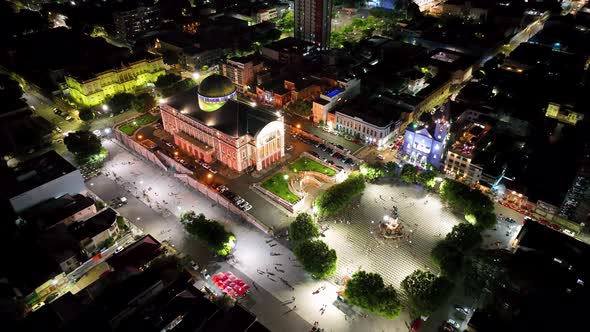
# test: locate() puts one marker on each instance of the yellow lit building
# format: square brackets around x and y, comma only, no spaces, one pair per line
[90,91]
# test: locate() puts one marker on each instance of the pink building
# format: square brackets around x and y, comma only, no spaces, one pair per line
[211,125]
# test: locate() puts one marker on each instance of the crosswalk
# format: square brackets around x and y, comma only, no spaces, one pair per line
[358,246]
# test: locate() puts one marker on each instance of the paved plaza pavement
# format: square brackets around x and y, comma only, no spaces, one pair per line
[354,235]
[272,302]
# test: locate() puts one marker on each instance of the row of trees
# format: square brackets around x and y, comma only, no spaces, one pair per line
[377,170]
[316,257]
[170,84]
[423,290]
[477,208]
[218,239]
[413,175]
[338,197]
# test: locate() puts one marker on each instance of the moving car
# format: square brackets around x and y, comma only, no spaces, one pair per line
[462,309]
[416,324]
[212,170]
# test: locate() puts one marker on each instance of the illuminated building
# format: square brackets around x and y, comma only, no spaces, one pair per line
[460,156]
[215,126]
[313,20]
[425,144]
[242,71]
[92,89]
[131,23]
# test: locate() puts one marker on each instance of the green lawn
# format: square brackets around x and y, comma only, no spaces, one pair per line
[278,185]
[130,127]
[306,164]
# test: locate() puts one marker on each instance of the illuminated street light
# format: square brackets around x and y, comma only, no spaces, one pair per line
[54,282]
[196,76]
[139,136]
[253,104]
[209,176]
[278,113]
[286,177]
[298,126]
[105,107]
[161,100]
[107,130]
[176,153]
[141,182]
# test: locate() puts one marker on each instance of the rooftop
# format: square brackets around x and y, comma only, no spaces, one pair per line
[95,225]
[288,44]
[233,118]
[467,143]
[35,172]
[375,111]
[54,210]
[136,255]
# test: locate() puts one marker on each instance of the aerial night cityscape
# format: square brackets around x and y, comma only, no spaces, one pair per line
[294,165]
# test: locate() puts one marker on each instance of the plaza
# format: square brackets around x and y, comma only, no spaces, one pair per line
[355,233]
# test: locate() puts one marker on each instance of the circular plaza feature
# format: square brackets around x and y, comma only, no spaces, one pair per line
[214,91]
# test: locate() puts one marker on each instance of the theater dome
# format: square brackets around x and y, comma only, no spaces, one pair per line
[214,91]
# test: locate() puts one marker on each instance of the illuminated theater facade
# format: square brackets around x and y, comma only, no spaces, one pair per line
[209,124]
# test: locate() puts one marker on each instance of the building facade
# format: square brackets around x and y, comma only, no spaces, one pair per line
[242,71]
[235,134]
[459,159]
[95,90]
[131,23]
[422,145]
[313,22]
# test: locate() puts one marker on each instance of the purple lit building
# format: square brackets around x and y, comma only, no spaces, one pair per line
[425,144]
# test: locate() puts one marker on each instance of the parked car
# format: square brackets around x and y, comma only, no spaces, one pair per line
[329,151]
[453,323]
[313,153]
[58,129]
[213,170]
[195,266]
[289,148]
[119,249]
[462,309]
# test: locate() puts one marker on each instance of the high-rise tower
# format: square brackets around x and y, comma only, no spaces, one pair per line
[313,22]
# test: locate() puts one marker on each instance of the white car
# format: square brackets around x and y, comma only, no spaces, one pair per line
[212,170]
[119,249]
[453,323]
[195,266]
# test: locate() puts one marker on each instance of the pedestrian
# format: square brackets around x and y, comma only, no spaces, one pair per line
[294,307]
[293,298]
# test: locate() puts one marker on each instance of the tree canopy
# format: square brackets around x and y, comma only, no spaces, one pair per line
[300,107]
[218,239]
[338,197]
[303,228]
[426,178]
[425,292]
[450,253]
[10,93]
[316,257]
[372,171]
[166,80]
[120,102]
[471,202]
[86,114]
[143,103]
[83,144]
[409,173]
[368,291]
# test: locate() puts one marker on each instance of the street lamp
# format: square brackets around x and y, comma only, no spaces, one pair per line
[196,76]
[105,107]
[176,153]
[253,104]
[139,136]
[161,100]
[209,176]
[298,126]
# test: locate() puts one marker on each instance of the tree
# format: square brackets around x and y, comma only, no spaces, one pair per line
[391,168]
[10,93]
[166,80]
[338,197]
[83,144]
[287,23]
[470,202]
[409,173]
[372,171]
[485,220]
[465,236]
[143,103]
[316,257]
[120,102]
[300,107]
[426,178]
[218,239]
[368,291]
[448,257]
[303,228]
[86,114]
[425,291]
